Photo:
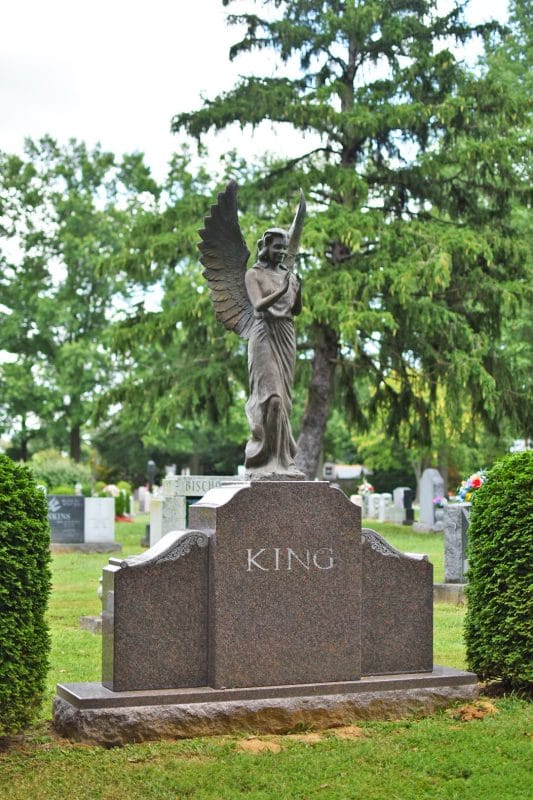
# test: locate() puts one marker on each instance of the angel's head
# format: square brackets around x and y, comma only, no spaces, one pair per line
[272,246]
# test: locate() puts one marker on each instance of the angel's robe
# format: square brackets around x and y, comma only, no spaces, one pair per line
[271,360]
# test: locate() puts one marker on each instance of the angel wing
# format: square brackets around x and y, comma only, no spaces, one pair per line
[224,256]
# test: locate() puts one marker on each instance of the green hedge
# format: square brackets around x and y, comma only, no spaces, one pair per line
[50,468]
[499,620]
[24,590]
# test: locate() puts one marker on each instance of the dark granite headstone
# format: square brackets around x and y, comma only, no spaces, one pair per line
[274,585]
[397,609]
[154,618]
[284,583]
[66,517]
[408,506]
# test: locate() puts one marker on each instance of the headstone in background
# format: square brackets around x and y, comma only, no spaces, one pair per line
[456,522]
[408,497]
[82,523]
[373,505]
[169,510]
[385,502]
[67,518]
[431,486]
[357,500]
[144,498]
[99,519]
[396,511]
[398,497]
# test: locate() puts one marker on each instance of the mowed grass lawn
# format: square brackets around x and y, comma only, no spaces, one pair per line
[480,752]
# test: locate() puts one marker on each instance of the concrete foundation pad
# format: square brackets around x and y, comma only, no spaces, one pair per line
[449,593]
[85,547]
[88,712]
[91,624]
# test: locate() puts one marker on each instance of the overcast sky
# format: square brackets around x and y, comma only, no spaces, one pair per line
[115,71]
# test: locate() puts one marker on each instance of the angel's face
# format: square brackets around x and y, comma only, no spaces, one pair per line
[277,249]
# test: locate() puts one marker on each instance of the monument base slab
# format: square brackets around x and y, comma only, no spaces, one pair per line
[85,547]
[91,624]
[88,712]
[449,593]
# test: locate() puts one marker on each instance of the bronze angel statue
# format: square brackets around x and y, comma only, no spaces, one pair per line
[259,304]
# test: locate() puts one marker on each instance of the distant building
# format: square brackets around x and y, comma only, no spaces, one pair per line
[344,472]
[521,445]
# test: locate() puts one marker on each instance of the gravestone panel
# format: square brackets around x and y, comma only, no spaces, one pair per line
[398,496]
[170,512]
[397,510]
[99,519]
[397,609]
[431,486]
[66,517]
[154,618]
[284,583]
[456,522]
[373,504]
[409,512]
[384,505]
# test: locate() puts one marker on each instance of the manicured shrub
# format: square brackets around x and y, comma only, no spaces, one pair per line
[122,502]
[50,468]
[24,590]
[62,490]
[499,620]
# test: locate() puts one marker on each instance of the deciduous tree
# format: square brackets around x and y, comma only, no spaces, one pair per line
[65,213]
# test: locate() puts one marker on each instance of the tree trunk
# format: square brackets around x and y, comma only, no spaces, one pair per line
[195,465]
[443,469]
[75,443]
[24,438]
[417,469]
[319,397]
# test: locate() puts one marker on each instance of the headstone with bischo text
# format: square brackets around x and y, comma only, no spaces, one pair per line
[170,510]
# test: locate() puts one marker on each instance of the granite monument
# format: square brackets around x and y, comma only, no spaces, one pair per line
[273,608]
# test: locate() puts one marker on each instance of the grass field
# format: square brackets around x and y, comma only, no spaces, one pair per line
[480,752]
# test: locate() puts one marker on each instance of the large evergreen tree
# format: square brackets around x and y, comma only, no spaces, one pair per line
[413,179]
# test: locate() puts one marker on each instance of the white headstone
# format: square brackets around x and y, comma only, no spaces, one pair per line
[385,502]
[398,496]
[99,519]
[373,505]
[170,508]
[431,486]
[357,500]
